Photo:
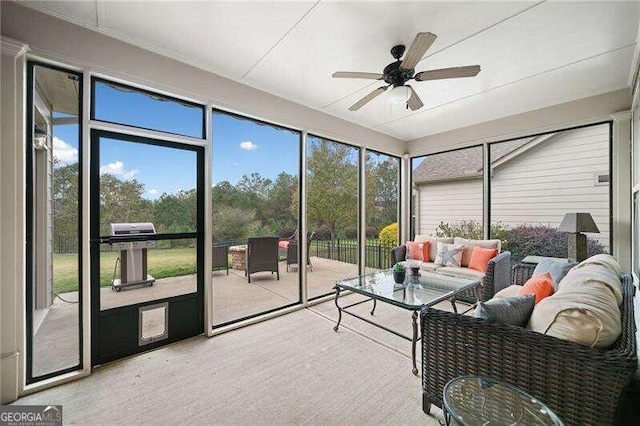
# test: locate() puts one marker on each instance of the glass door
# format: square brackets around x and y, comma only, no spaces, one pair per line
[147,246]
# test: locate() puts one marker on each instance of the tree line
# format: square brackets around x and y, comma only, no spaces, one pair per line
[254,206]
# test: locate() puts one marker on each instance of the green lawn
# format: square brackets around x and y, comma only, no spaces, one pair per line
[161,263]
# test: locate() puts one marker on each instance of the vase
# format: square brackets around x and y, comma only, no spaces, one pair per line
[398,277]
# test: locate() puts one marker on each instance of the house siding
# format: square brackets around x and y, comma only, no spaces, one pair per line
[536,187]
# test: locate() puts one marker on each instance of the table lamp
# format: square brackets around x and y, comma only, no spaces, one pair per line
[575,224]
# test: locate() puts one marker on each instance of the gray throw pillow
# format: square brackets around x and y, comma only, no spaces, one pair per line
[509,310]
[556,268]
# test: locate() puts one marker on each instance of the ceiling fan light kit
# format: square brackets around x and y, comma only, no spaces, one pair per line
[398,73]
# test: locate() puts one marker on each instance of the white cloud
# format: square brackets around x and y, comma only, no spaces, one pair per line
[118,170]
[63,152]
[236,164]
[248,145]
[153,191]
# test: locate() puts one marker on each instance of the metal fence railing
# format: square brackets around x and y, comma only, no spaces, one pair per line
[377,255]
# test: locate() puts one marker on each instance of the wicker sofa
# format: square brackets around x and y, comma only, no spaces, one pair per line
[497,277]
[581,384]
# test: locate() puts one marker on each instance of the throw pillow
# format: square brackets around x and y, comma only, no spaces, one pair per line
[556,268]
[449,254]
[418,251]
[509,310]
[540,285]
[480,258]
[470,244]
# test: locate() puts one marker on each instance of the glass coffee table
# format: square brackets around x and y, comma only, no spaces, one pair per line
[474,400]
[415,293]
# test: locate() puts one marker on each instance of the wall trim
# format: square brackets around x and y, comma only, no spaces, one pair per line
[12,47]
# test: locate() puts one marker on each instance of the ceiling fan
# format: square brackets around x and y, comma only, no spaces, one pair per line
[397,74]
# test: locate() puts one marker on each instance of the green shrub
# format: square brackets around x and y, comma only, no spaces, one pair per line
[323,233]
[521,241]
[389,235]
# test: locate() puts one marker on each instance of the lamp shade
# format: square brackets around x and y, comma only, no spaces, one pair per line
[578,222]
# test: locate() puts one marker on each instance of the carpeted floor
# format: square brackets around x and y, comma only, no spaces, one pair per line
[290,370]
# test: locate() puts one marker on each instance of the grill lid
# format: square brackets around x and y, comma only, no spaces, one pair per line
[132,228]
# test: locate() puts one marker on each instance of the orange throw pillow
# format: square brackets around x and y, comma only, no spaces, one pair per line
[418,251]
[480,258]
[540,285]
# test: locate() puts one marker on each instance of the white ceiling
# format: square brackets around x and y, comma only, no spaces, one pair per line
[532,54]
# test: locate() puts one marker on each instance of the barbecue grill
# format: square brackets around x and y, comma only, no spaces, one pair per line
[133,254]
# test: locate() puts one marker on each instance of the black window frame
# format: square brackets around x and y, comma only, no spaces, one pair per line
[237,116]
[30,217]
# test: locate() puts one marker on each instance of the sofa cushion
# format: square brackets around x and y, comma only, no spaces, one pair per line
[449,254]
[540,285]
[480,258]
[433,244]
[585,309]
[470,244]
[602,259]
[429,266]
[556,268]
[509,310]
[511,291]
[459,271]
[418,250]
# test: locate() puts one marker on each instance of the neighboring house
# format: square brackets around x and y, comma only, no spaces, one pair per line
[533,181]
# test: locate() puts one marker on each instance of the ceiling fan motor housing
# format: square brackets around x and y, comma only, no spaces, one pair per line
[394,74]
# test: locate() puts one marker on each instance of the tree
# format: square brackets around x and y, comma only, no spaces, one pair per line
[65,199]
[332,185]
[176,213]
[382,190]
[122,201]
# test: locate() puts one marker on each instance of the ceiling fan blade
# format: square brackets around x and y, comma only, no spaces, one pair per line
[455,72]
[353,74]
[362,102]
[418,48]
[414,103]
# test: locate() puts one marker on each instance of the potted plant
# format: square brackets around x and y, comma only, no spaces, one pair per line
[398,273]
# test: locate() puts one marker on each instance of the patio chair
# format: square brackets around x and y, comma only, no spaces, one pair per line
[262,256]
[292,252]
[220,258]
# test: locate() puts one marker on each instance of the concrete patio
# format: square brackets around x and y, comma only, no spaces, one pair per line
[56,335]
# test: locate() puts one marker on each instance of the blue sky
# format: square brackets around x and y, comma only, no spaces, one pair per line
[240,146]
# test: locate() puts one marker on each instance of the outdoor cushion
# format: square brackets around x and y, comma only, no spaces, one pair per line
[511,291]
[585,310]
[556,268]
[470,244]
[480,258]
[603,259]
[449,254]
[540,285]
[433,244]
[418,250]
[283,244]
[429,266]
[509,310]
[461,272]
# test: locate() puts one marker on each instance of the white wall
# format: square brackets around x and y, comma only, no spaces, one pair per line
[450,202]
[556,177]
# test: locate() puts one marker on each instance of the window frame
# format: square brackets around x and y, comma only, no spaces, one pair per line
[92,115]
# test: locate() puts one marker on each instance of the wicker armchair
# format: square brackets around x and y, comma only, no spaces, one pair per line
[292,252]
[498,274]
[582,385]
[220,258]
[262,255]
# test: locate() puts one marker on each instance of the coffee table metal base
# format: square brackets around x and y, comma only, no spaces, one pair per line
[414,338]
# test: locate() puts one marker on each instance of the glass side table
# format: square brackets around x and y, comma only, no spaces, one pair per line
[473,400]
